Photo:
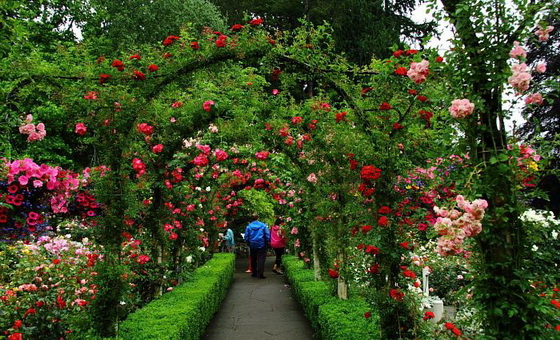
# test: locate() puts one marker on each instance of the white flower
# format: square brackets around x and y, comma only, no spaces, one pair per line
[208,188]
[535,248]
[189,259]
[123,303]
[554,234]
[202,249]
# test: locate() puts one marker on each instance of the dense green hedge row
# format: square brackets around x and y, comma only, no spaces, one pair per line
[332,318]
[185,312]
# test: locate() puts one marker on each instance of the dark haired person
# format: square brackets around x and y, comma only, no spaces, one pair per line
[257,237]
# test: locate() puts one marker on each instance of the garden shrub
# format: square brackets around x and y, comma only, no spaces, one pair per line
[185,312]
[332,318]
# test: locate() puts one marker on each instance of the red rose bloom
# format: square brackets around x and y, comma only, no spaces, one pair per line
[366,229]
[385,106]
[369,172]
[56,261]
[17,324]
[333,274]
[428,315]
[170,40]
[15,336]
[372,250]
[340,116]
[237,27]
[139,75]
[409,273]
[367,315]
[396,294]
[449,325]
[383,221]
[118,65]
[103,78]
[409,52]
[153,68]
[256,22]
[397,126]
[422,98]
[401,71]
[297,120]
[398,53]
[221,41]
[136,56]
[439,59]
[384,210]
[195,45]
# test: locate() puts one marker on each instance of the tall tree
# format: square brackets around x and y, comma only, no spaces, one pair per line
[361,28]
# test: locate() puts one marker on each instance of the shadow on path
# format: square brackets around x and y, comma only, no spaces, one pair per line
[258,309]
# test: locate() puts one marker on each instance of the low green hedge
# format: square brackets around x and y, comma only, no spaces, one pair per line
[332,318]
[185,312]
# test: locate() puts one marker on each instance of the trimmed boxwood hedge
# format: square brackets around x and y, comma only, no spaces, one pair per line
[185,312]
[332,318]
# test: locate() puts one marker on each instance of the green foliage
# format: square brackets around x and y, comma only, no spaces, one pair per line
[184,312]
[119,25]
[260,203]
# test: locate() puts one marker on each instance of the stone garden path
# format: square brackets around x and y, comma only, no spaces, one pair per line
[256,309]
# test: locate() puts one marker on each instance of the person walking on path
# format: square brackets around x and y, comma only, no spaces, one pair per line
[278,243]
[229,240]
[257,236]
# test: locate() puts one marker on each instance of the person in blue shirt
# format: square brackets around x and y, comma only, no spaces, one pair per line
[229,240]
[257,237]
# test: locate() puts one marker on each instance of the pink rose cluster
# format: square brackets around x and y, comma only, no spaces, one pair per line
[418,71]
[34,132]
[455,226]
[517,52]
[461,108]
[521,78]
[544,32]
[527,154]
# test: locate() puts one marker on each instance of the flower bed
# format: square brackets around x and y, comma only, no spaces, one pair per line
[185,312]
[331,317]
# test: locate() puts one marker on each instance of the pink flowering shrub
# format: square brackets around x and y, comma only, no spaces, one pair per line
[520,79]
[461,108]
[517,51]
[33,192]
[534,98]
[34,132]
[418,71]
[46,284]
[544,32]
[455,226]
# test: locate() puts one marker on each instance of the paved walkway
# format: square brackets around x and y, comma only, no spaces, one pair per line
[257,309]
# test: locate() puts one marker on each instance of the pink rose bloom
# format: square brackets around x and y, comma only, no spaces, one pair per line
[200,160]
[176,105]
[213,128]
[204,148]
[535,98]
[541,67]
[207,106]
[418,71]
[221,155]
[544,33]
[275,92]
[517,51]
[520,81]
[27,129]
[312,178]
[157,148]
[80,129]
[262,155]
[461,108]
